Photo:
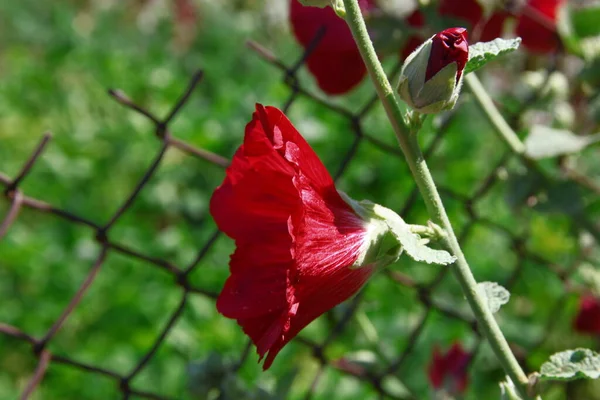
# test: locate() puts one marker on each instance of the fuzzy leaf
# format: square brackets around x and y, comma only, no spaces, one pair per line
[412,243]
[572,364]
[409,242]
[495,294]
[483,52]
[543,142]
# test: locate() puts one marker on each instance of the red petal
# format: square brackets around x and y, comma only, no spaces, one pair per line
[467,10]
[588,318]
[335,62]
[493,27]
[336,72]
[437,368]
[539,37]
[296,237]
[448,46]
[450,370]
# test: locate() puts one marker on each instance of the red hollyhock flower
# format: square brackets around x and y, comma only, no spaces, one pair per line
[296,238]
[537,25]
[449,371]
[335,61]
[467,11]
[447,47]
[416,20]
[588,318]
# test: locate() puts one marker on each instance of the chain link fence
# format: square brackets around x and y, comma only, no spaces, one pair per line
[424,293]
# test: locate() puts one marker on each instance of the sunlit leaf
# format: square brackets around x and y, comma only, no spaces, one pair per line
[495,294]
[483,52]
[572,364]
[544,142]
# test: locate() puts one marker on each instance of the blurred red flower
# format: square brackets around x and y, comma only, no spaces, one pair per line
[335,61]
[449,371]
[537,25]
[467,12]
[588,318]
[295,236]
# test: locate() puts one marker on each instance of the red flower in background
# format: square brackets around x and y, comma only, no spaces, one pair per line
[537,25]
[335,61]
[468,12]
[295,236]
[449,371]
[588,318]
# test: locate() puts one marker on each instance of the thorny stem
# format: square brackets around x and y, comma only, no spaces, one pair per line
[420,171]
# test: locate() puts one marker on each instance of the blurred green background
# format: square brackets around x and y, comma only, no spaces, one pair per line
[57,60]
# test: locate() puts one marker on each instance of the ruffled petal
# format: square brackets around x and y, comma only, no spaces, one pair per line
[296,238]
[335,61]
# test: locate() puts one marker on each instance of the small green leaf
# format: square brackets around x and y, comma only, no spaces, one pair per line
[544,142]
[495,294]
[572,364]
[412,244]
[389,236]
[483,52]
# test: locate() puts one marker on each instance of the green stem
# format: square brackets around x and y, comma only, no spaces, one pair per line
[508,135]
[496,119]
[418,166]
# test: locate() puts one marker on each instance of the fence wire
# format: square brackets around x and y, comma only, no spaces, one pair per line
[423,293]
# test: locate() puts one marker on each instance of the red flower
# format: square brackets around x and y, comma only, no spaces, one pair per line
[588,317]
[449,371]
[448,46]
[295,236]
[537,25]
[467,10]
[416,20]
[335,61]
[493,26]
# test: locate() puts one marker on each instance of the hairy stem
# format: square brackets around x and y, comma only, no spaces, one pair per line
[414,157]
[504,130]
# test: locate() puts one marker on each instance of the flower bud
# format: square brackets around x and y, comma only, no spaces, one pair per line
[431,76]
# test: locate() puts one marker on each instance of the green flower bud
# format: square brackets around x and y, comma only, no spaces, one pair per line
[431,76]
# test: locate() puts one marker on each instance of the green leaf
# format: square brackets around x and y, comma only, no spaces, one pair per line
[572,364]
[389,236]
[495,294]
[483,52]
[411,243]
[544,142]
[585,20]
[579,30]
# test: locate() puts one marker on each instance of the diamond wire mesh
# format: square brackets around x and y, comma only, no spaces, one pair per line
[424,293]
